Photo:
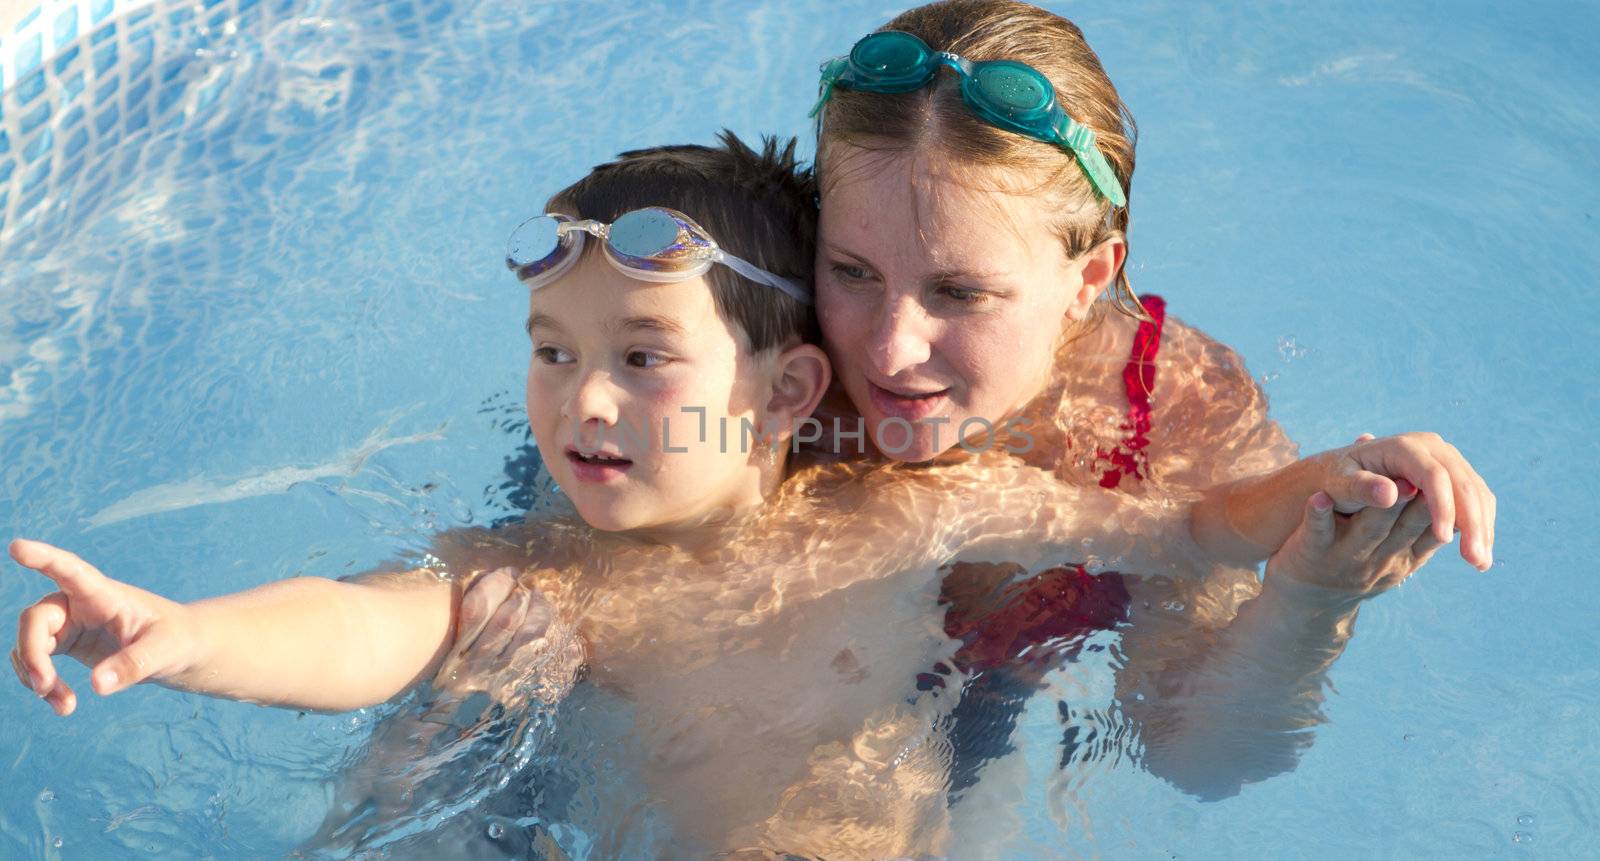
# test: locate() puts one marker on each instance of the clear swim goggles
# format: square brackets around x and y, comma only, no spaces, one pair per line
[650,244]
[1005,93]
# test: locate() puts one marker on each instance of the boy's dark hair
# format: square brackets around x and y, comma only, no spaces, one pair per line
[758,206]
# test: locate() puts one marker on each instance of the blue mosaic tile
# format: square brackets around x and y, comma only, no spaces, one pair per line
[99,9]
[72,87]
[5,143]
[39,147]
[137,92]
[34,120]
[138,118]
[64,60]
[75,144]
[71,118]
[36,178]
[30,55]
[66,28]
[69,171]
[105,58]
[139,16]
[29,18]
[109,31]
[31,87]
[107,121]
[106,89]
[6,168]
[170,96]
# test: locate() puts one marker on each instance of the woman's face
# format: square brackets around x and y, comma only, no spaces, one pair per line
[941,302]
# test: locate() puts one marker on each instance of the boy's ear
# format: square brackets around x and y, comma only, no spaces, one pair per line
[800,379]
[1097,266]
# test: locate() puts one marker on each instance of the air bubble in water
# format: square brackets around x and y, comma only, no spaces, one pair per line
[1522,837]
[1410,736]
[496,831]
[1525,819]
[47,796]
[56,843]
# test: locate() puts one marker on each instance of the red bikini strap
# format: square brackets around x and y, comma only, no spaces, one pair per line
[1138,381]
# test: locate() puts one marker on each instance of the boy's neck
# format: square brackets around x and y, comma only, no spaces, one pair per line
[713,530]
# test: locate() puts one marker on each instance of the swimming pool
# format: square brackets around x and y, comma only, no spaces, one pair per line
[254,325]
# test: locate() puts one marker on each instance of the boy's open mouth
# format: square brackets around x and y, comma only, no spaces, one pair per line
[596,466]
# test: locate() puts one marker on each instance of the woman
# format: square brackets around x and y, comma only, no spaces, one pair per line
[971,277]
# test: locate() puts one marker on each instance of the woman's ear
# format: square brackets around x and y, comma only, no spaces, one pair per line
[800,378]
[1097,267]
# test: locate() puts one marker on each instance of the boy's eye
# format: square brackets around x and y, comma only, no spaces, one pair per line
[643,359]
[552,355]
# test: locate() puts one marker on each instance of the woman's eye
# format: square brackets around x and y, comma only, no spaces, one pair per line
[642,359]
[850,271]
[552,355]
[962,295]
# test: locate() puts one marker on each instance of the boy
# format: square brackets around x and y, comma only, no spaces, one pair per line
[645,376]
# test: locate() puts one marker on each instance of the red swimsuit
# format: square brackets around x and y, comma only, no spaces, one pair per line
[1046,616]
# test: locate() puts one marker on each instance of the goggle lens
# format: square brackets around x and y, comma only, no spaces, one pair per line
[535,244]
[891,62]
[1018,92]
[645,233]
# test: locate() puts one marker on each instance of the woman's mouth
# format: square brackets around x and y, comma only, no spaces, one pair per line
[908,405]
[597,467]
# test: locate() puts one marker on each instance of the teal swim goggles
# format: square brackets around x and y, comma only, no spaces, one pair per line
[1005,93]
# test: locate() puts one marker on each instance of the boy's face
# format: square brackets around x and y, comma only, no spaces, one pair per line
[614,361]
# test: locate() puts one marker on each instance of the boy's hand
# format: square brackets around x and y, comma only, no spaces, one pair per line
[123,634]
[1355,557]
[1366,474]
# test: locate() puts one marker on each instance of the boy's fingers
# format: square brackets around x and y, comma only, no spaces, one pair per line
[1413,522]
[1369,528]
[1318,522]
[62,698]
[37,630]
[71,573]
[1425,545]
[133,664]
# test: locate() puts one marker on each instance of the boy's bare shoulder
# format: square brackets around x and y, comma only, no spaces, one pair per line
[462,554]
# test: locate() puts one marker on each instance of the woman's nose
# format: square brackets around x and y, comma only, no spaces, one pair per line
[901,338]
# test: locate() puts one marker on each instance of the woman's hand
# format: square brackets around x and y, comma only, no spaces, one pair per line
[509,643]
[1367,473]
[1353,557]
[125,635]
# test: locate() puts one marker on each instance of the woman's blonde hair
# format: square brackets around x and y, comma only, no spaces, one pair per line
[936,116]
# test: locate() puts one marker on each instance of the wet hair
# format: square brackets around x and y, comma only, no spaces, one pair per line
[760,206]
[936,118]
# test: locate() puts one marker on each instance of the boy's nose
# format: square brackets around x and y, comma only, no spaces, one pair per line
[591,399]
[901,339]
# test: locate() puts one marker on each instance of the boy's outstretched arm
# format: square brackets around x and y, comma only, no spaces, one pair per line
[304,642]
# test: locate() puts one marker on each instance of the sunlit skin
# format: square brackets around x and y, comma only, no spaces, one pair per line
[611,362]
[941,299]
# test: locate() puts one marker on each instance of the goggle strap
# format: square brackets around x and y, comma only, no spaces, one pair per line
[1081,140]
[793,288]
[831,71]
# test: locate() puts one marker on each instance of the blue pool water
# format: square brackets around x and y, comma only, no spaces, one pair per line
[253,324]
